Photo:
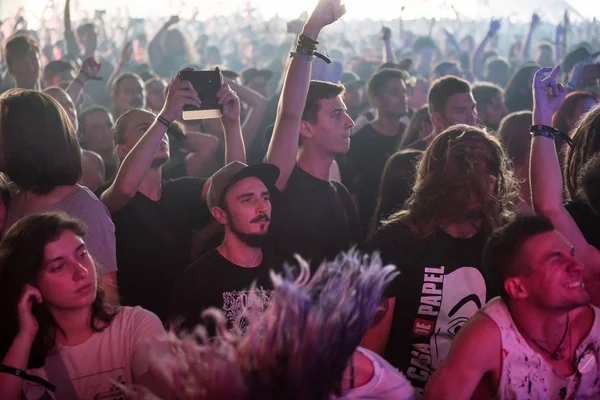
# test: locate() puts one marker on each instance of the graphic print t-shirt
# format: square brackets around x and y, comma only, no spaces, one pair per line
[119,353]
[439,288]
[214,281]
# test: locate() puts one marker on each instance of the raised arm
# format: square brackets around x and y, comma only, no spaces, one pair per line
[258,106]
[154,47]
[526,54]
[476,350]
[17,355]
[70,41]
[137,162]
[476,62]
[283,148]
[126,55]
[89,70]
[386,38]
[545,175]
[232,127]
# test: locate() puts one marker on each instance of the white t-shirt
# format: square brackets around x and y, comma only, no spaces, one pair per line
[387,382]
[119,353]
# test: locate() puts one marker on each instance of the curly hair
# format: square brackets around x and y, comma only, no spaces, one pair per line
[457,165]
[586,138]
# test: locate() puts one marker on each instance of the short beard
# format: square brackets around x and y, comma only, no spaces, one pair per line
[255,240]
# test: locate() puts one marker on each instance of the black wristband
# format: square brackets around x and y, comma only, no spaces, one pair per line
[550,132]
[24,375]
[170,131]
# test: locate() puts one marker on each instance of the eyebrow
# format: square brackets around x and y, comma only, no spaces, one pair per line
[81,246]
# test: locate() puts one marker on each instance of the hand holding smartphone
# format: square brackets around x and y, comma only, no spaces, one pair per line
[206,84]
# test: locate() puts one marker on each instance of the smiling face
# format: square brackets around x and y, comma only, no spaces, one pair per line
[67,280]
[555,281]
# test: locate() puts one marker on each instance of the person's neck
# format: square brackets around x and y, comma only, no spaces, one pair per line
[74,326]
[238,252]
[462,229]
[386,125]
[429,138]
[35,87]
[28,201]
[316,163]
[546,327]
[151,186]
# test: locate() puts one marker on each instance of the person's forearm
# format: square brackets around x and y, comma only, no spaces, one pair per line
[545,175]
[258,107]
[526,53]
[135,165]
[16,357]
[283,148]
[234,143]
[557,47]
[388,54]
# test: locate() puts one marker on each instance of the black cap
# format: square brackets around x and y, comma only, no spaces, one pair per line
[234,172]
[250,73]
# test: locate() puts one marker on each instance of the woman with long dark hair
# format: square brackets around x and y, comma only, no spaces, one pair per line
[57,334]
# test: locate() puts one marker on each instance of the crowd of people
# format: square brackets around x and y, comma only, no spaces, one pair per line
[383,219]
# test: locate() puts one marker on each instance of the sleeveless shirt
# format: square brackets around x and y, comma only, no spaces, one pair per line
[527,375]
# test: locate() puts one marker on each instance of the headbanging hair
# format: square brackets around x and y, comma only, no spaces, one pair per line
[297,349]
[449,171]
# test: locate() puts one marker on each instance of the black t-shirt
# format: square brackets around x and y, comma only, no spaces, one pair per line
[369,151]
[214,281]
[397,181]
[587,221]
[439,288]
[154,242]
[313,218]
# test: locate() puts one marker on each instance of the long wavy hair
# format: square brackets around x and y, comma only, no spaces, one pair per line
[457,165]
[586,138]
[21,260]
[297,349]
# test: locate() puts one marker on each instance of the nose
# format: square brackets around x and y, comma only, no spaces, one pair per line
[472,119]
[79,271]
[350,122]
[575,266]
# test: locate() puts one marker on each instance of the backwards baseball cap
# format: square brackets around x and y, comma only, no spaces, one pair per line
[234,172]
[250,73]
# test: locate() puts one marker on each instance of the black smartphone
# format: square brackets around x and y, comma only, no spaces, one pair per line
[206,84]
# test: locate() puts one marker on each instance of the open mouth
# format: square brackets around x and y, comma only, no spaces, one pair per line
[574,285]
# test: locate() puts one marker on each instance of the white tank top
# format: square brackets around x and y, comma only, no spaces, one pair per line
[527,375]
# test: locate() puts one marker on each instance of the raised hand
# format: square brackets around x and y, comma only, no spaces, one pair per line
[535,20]
[494,27]
[173,20]
[325,13]
[230,101]
[385,34]
[28,324]
[179,94]
[548,95]
[89,70]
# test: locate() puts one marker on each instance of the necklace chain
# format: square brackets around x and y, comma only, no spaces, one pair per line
[556,353]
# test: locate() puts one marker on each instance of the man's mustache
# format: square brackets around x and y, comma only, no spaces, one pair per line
[262,217]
